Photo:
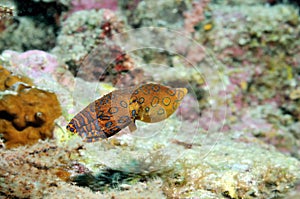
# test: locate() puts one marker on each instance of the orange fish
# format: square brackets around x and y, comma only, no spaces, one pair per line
[118,109]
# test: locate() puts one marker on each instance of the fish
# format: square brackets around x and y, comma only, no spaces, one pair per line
[119,109]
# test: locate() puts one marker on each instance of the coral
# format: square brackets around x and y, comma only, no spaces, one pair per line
[27,34]
[82,31]
[272,83]
[235,135]
[44,70]
[240,2]
[260,102]
[195,16]
[8,80]
[47,73]
[85,44]
[27,113]
[63,2]
[295,193]
[230,169]
[127,153]
[260,51]
[28,172]
[167,13]
[7,13]
[281,132]
[136,168]
[149,189]
[94,4]
[37,65]
[38,61]
[108,63]
[127,7]
[247,33]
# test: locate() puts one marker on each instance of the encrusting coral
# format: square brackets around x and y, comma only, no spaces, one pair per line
[84,30]
[27,113]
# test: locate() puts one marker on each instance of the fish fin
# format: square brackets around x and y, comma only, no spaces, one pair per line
[132,126]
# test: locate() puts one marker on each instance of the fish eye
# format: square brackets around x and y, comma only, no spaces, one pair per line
[71,128]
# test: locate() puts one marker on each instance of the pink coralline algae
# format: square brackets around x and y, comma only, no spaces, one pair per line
[94,4]
[37,60]
[37,64]
[195,16]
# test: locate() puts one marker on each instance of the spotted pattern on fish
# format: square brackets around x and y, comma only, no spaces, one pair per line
[157,102]
[118,109]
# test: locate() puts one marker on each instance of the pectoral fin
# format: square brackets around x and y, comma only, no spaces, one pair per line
[132,126]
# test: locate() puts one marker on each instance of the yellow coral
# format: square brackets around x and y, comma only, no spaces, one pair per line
[28,115]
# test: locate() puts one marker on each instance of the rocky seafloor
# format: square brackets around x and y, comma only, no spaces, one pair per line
[235,135]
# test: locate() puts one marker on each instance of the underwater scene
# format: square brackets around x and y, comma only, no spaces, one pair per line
[152,99]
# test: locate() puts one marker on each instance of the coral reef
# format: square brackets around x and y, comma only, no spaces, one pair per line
[220,166]
[240,2]
[248,36]
[235,135]
[27,173]
[82,31]
[7,14]
[36,64]
[271,125]
[235,177]
[48,73]
[30,172]
[261,54]
[85,44]
[45,71]
[46,12]
[263,93]
[168,13]
[27,113]
[195,16]
[93,4]
[225,163]
[106,63]
[25,34]
[8,80]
